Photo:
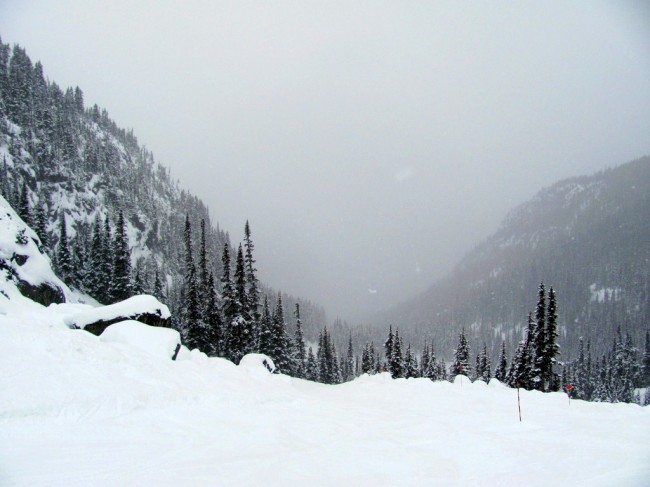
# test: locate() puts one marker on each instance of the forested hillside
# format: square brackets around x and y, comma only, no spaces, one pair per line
[93,193]
[588,237]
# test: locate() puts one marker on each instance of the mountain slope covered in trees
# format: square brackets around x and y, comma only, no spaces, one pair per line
[588,237]
[94,195]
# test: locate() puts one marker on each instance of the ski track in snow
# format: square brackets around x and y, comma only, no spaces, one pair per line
[79,412]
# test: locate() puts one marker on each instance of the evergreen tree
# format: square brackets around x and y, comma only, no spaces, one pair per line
[645,365]
[486,366]
[348,369]
[24,207]
[537,337]
[312,366]
[299,346]
[519,374]
[424,361]
[244,319]
[461,364]
[98,279]
[396,362]
[41,225]
[214,325]
[158,289]
[388,345]
[410,364]
[63,261]
[501,371]
[281,351]
[432,370]
[253,296]
[328,363]
[203,275]
[265,345]
[550,349]
[121,286]
[367,360]
[106,263]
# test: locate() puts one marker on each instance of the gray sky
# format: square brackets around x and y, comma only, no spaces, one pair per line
[370,144]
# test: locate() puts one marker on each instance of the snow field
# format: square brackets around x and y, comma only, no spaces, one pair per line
[77,410]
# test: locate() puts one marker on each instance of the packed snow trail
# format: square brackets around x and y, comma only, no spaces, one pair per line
[77,411]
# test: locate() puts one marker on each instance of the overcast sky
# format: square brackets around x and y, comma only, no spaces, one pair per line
[370,144]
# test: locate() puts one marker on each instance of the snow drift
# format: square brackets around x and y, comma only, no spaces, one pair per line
[81,410]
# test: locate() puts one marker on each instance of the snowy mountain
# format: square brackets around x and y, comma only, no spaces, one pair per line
[588,237]
[65,164]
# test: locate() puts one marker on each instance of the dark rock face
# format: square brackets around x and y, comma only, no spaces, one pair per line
[45,293]
[150,319]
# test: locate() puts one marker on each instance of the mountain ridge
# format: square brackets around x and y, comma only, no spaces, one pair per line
[586,236]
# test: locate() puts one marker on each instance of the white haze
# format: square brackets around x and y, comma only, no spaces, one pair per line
[370,144]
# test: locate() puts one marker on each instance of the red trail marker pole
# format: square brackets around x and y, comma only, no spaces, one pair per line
[569,390]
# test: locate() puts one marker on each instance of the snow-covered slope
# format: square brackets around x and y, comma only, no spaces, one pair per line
[79,411]
[24,268]
[584,236]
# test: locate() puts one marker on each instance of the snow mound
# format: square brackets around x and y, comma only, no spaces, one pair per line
[144,308]
[158,342]
[257,361]
[461,379]
[25,270]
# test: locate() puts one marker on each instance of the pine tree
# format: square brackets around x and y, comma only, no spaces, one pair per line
[312,366]
[41,226]
[203,274]
[243,318]
[432,369]
[214,325]
[24,207]
[106,262]
[519,374]
[461,364]
[158,289]
[550,349]
[265,345]
[388,345]
[537,336]
[501,371]
[98,280]
[410,364]
[281,352]
[299,346]
[486,366]
[645,365]
[396,361]
[64,265]
[367,360]
[348,370]
[253,296]
[121,286]
[424,360]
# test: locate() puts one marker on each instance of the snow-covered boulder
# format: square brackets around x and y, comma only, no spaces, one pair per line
[143,308]
[159,342]
[24,267]
[257,361]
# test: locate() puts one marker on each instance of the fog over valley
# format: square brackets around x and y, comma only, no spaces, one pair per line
[369,144]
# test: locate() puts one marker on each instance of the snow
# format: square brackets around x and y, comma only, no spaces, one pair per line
[140,304]
[78,410]
[257,362]
[36,268]
[156,341]
[598,295]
